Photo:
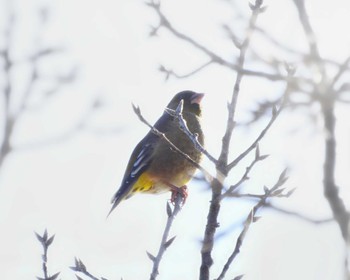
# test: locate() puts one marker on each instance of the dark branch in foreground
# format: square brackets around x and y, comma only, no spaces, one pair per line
[165,242]
[46,241]
[221,166]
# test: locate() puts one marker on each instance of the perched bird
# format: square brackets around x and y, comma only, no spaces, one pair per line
[155,167]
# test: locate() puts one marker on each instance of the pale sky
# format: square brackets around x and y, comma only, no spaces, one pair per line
[66,187]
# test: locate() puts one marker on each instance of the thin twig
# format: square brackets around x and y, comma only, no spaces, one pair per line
[245,175]
[46,241]
[276,190]
[274,116]
[165,242]
[275,113]
[298,215]
[169,72]
[233,103]
[79,266]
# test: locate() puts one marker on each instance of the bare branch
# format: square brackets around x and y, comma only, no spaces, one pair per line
[232,105]
[46,241]
[79,266]
[276,190]
[245,176]
[212,220]
[164,22]
[213,57]
[274,115]
[165,242]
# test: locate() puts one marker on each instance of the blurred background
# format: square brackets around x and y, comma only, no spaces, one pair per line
[70,71]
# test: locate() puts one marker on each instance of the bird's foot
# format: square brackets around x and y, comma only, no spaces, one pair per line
[176,191]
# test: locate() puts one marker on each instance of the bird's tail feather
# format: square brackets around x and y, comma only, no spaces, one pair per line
[116,199]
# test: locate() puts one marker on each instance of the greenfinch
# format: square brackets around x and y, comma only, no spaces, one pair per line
[154,166]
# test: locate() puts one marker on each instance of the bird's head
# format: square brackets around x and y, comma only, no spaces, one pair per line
[191,101]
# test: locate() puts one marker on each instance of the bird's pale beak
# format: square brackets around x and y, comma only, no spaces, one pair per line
[197,98]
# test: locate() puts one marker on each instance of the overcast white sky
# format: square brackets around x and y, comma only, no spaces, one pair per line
[66,187]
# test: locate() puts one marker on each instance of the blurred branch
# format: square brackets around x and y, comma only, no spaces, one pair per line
[308,30]
[327,95]
[164,22]
[80,267]
[276,190]
[7,119]
[59,82]
[327,100]
[277,43]
[165,242]
[15,107]
[263,108]
[298,215]
[213,57]
[169,73]
[46,242]
[331,192]
[342,69]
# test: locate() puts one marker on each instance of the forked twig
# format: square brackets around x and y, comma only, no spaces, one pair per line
[46,241]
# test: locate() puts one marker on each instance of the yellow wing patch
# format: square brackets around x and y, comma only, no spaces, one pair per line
[143,184]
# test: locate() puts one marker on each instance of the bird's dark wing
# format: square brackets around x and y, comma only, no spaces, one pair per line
[140,160]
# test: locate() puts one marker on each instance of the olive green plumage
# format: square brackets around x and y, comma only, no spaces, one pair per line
[154,167]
